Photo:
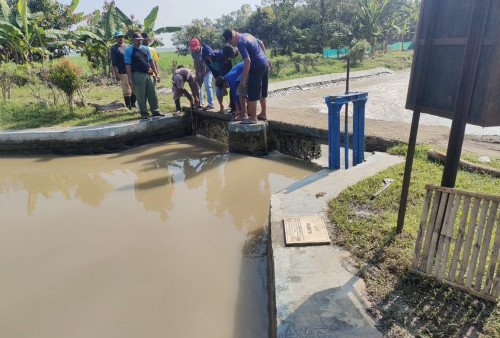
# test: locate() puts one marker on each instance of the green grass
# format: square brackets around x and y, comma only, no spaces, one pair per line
[23,110]
[406,303]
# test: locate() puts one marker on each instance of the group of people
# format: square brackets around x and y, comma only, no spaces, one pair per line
[136,68]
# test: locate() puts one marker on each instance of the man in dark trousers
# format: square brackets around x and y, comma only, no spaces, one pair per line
[140,69]
[118,62]
[255,71]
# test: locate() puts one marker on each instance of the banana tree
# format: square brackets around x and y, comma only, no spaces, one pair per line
[148,26]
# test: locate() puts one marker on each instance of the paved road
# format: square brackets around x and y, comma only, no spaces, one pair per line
[385,113]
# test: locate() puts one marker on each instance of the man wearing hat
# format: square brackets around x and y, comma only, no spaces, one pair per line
[140,69]
[203,75]
[118,65]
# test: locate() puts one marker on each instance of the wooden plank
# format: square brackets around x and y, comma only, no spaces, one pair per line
[485,247]
[436,232]
[460,239]
[471,270]
[461,287]
[448,232]
[430,229]
[421,229]
[468,241]
[438,262]
[455,191]
[493,259]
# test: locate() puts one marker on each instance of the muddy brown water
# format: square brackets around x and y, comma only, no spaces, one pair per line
[159,241]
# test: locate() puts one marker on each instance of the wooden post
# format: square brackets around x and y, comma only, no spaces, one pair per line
[407,175]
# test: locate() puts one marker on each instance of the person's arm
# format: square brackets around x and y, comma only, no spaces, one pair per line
[246,69]
[128,68]
[261,44]
[116,72]
[155,69]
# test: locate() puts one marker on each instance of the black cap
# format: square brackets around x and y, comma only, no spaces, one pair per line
[228,35]
[145,35]
[228,51]
[137,35]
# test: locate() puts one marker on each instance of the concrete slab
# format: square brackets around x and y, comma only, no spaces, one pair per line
[314,290]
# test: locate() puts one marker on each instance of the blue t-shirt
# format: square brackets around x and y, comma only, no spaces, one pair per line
[233,77]
[248,45]
[138,58]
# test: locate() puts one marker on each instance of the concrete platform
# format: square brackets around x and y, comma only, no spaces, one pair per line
[314,291]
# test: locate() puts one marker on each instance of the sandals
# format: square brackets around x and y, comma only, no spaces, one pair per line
[260,118]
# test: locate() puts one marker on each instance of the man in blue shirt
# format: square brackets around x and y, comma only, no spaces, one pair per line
[140,68]
[219,65]
[255,71]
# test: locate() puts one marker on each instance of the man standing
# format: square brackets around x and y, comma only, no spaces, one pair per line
[140,68]
[118,62]
[203,75]
[255,71]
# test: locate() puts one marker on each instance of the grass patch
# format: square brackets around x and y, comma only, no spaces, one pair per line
[407,304]
[23,110]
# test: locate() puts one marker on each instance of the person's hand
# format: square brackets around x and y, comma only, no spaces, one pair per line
[130,84]
[224,92]
[158,78]
[270,63]
[117,77]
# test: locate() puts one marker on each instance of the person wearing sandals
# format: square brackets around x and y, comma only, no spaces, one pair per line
[203,75]
[219,65]
[255,70]
[232,80]
[140,68]
[181,76]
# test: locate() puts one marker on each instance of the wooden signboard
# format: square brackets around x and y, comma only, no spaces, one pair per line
[448,31]
[305,230]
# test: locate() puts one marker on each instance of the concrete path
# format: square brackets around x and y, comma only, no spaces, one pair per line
[317,292]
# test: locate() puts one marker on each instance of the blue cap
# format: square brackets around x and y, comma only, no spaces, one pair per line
[118,33]
[207,50]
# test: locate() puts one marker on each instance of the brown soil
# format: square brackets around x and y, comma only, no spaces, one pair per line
[386,116]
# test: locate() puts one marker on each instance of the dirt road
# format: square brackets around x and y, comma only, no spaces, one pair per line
[386,116]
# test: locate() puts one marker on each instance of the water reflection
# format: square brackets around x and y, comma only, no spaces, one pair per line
[139,241]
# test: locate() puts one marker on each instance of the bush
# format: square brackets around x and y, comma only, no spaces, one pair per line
[10,75]
[65,75]
[278,64]
[358,52]
[297,60]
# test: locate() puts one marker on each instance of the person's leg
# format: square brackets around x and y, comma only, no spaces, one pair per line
[263,105]
[151,95]
[220,98]
[200,91]
[139,80]
[254,87]
[126,91]
[207,81]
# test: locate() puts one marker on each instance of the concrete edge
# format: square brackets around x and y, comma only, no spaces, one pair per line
[301,199]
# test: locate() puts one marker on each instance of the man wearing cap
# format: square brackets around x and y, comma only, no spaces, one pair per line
[118,65]
[255,71]
[203,75]
[140,68]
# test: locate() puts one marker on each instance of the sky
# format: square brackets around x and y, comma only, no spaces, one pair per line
[171,12]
